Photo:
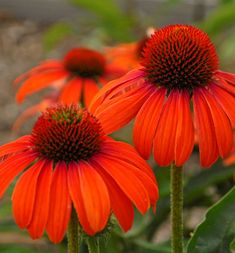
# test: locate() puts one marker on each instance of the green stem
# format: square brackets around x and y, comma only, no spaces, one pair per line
[93,245]
[176,209]
[73,233]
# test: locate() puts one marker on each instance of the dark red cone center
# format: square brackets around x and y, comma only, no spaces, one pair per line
[179,56]
[84,62]
[67,133]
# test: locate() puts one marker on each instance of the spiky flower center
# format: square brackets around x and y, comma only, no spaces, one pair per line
[67,133]
[140,47]
[179,56]
[84,62]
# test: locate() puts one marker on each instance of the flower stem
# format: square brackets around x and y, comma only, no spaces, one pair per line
[176,209]
[93,245]
[73,233]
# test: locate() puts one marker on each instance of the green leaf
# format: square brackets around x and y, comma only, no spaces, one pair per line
[232,246]
[55,34]
[151,248]
[216,232]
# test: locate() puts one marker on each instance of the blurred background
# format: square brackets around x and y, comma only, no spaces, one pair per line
[31,31]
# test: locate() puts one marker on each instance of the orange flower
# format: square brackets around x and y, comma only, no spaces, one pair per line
[180,66]
[67,160]
[128,55]
[77,76]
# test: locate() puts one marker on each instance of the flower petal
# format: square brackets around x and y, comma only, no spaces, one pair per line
[226,100]
[114,87]
[12,166]
[42,67]
[127,153]
[90,90]
[23,197]
[146,122]
[38,82]
[114,109]
[94,196]
[222,125]
[60,204]
[120,204]
[71,93]
[185,130]
[76,196]
[42,199]
[127,180]
[16,146]
[165,137]
[208,148]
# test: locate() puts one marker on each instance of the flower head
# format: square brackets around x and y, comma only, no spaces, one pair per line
[76,77]
[68,160]
[128,55]
[179,66]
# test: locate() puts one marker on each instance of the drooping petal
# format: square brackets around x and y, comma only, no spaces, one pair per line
[12,166]
[111,115]
[38,82]
[120,204]
[230,77]
[90,90]
[205,129]
[60,204]
[76,196]
[229,87]
[42,200]
[23,197]
[94,196]
[226,100]
[127,180]
[185,130]
[127,153]
[165,137]
[222,125]
[71,93]
[19,145]
[146,122]
[115,87]
[42,67]
[149,184]
[229,160]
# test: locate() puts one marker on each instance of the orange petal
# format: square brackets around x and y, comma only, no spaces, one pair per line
[90,90]
[16,146]
[205,129]
[114,87]
[146,122]
[127,180]
[60,204]
[226,100]
[42,200]
[227,76]
[117,112]
[120,204]
[165,137]
[185,130]
[90,197]
[222,125]
[94,196]
[127,153]
[38,82]
[76,196]
[23,197]
[12,166]
[71,92]
[229,160]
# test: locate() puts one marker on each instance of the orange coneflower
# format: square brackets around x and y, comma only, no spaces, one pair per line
[77,76]
[180,66]
[68,160]
[128,55]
